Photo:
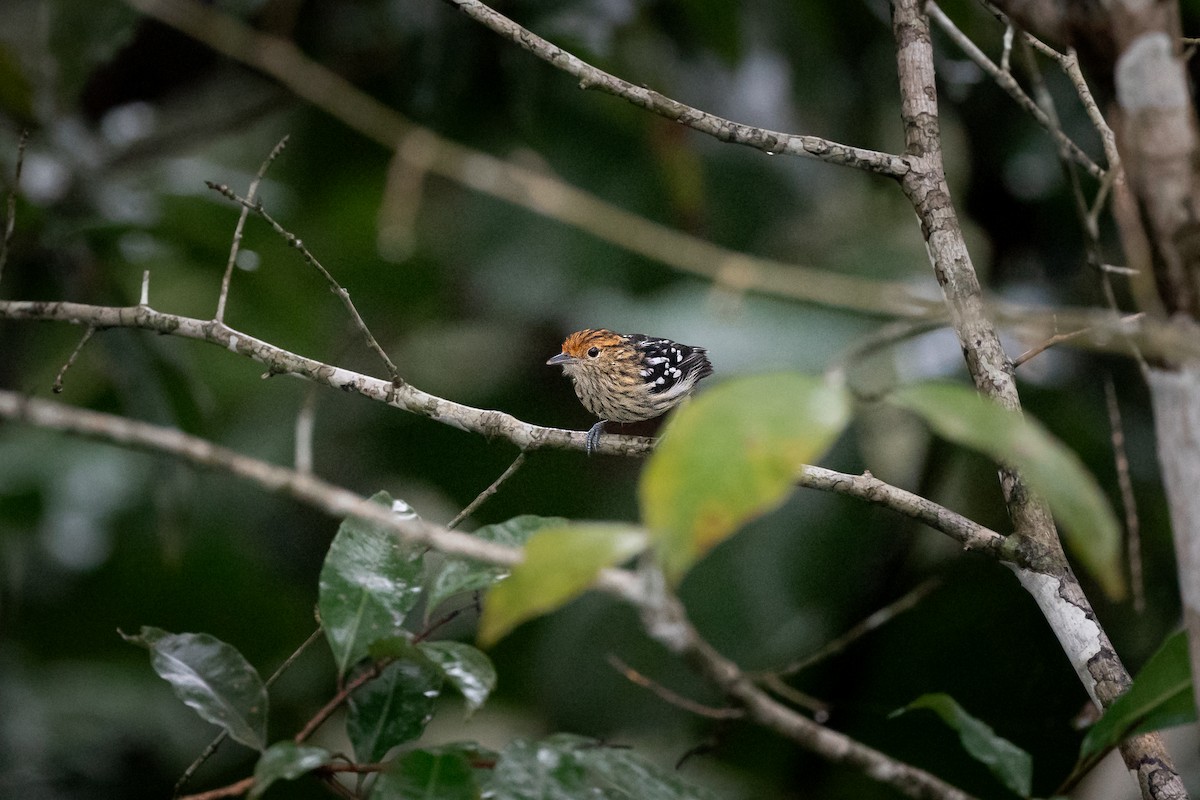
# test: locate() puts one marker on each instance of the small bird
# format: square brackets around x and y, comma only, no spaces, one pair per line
[629,377]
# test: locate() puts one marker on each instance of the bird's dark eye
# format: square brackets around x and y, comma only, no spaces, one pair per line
[593,352]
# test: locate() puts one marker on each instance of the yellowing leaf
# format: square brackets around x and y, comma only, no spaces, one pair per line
[730,455]
[560,562]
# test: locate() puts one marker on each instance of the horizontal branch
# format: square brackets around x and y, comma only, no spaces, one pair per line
[307,489]
[770,142]
[491,424]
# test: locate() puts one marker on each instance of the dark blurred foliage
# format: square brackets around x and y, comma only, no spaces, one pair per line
[128,118]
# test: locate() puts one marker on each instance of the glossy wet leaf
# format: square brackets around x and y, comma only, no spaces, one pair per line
[468,669]
[369,583]
[440,774]
[213,678]
[392,709]
[1091,531]
[566,767]
[730,455]
[286,761]
[559,564]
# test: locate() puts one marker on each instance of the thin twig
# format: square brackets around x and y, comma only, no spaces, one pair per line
[1088,214]
[432,627]
[248,204]
[1108,139]
[62,373]
[237,231]
[10,214]
[590,77]
[232,790]
[326,711]
[876,620]
[1133,528]
[1008,83]
[776,685]
[488,492]
[672,697]
[1059,338]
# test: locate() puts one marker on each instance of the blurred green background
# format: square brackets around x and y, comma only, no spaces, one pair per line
[470,295]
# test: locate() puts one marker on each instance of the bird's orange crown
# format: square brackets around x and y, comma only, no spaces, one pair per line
[578,343]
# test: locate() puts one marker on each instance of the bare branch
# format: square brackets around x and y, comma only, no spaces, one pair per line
[880,618]
[971,535]
[488,492]
[62,373]
[241,224]
[665,620]
[1133,537]
[1005,80]
[307,489]
[672,697]
[770,142]
[1060,338]
[249,204]
[491,424]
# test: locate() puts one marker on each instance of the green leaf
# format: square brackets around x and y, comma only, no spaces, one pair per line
[212,678]
[730,455]
[1160,697]
[559,563]
[1009,763]
[286,761]
[455,575]
[442,774]
[468,669]
[542,770]
[392,709]
[1053,471]
[631,775]
[566,767]
[369,583]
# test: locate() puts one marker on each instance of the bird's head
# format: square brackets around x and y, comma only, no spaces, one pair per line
[587,350]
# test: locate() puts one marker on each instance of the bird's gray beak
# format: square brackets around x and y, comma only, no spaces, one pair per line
[561,358]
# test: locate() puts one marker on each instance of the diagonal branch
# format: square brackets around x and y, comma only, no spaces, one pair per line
[1053,585]
[1005,80]
[770,142]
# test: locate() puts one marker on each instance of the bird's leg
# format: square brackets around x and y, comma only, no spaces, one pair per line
[593,437]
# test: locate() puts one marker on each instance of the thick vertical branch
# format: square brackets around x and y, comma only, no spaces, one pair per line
[1135,49]
[1053,586]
